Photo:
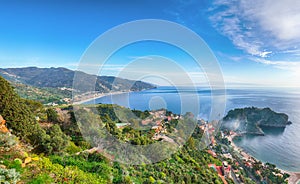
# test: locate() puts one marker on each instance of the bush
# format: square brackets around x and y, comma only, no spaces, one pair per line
[52,115]
[72,148]
[68,174]
[59,140]
[42,178]
[7,141]
[8,176]
[53,141]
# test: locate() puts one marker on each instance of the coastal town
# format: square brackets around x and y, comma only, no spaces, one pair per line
[236,163]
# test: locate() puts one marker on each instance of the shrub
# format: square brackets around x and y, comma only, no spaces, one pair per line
[72,148]
[7,141]
[8,176]
[68,174]
[42,178]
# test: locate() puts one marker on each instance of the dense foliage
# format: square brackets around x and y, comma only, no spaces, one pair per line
[20,115]
[46,146]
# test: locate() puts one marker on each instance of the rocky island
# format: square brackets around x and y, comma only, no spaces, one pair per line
[251,120]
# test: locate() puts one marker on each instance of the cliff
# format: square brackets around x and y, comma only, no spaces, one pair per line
[3,128]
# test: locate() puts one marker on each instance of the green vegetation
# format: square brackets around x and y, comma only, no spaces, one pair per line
[44,95]
[21,114]
[46,146]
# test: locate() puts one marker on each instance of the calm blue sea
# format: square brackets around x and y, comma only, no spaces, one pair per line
[280,147]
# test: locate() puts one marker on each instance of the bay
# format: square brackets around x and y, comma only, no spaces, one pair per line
[280,147]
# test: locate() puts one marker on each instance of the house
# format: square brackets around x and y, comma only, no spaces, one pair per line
[213,141]
[122,125]
[157,129]
[248,164]
[212,153]
[226,169]
[218,169]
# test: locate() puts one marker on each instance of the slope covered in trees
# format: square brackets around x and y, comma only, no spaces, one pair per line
[60,155]
[20,115]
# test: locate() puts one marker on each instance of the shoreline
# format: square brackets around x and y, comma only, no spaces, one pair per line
[96,96]
[90,97]
[294,177]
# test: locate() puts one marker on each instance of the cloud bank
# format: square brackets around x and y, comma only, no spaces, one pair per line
[259,27]
[268,30]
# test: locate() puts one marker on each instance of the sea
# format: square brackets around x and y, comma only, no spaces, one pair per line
[279,146]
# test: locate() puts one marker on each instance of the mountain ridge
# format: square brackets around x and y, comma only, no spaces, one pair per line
[53,85]
[63,77]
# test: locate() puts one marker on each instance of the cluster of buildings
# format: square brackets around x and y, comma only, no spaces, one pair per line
[223,171]
[161,119]
[157,120]
[226,170]
[240,159]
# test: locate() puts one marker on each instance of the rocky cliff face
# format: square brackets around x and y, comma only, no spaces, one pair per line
[3,128]
[250,120]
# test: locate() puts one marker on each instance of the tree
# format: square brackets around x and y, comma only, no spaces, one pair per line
[191,143]
[20,118]
[17,114]
[52,115]
[59,140]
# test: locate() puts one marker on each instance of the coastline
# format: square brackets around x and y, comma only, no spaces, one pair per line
[294,177]
[96,96]
[90,97]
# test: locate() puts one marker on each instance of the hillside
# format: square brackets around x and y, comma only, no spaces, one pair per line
[45,145]
[251,120]
[54,84]
[50,149]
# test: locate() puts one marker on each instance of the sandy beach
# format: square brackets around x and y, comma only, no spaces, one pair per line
[91,97]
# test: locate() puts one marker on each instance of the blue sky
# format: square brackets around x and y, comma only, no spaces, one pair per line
[256,42]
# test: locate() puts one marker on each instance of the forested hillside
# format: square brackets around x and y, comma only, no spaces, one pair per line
[46,146]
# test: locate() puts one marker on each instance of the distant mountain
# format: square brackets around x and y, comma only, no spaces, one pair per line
[54,85]
[63,77]
[251,120]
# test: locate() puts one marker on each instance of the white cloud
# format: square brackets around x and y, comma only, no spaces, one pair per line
[265,54]
[259,27]
[280,18]
[295,52]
